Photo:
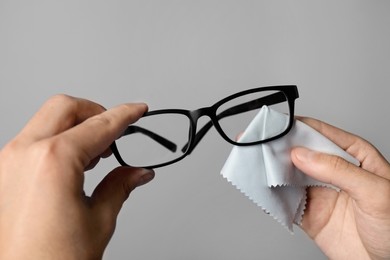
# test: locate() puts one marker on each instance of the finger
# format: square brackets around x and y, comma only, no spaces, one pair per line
[92,164]
[370,158]
[92,137]
[320,203]
[115,188]
[59,113]
[107,153]
[357,182]
[342,138]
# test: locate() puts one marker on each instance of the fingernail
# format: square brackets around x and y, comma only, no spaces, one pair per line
[304,154]
[146,176]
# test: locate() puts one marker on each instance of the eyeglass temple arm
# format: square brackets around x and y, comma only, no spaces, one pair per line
[247,106]
[132,129]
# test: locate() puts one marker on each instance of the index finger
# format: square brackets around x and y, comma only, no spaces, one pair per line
[370,158]
[340,137]
[58,114]
[92,137]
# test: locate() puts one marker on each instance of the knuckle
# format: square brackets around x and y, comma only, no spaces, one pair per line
[124,106]
[11,147]
[363,145]
[333,163]
[44,150]
[100,121]
[61,99]
[10,152]
[338,163]
[67,104]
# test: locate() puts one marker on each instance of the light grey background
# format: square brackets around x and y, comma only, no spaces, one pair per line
[189,54]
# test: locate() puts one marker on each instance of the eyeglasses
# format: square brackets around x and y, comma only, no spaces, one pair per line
[163,137]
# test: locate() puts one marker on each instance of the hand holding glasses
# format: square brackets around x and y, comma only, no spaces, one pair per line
[163,137]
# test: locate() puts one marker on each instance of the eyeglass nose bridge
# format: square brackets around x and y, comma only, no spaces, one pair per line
[194,116]
[198,113]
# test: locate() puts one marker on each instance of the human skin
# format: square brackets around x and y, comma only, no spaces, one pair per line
[44,212]
[355,222]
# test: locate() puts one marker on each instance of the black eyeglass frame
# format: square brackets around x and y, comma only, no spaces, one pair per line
[290,93]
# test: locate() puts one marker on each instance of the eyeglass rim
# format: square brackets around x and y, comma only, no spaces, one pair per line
[290,92]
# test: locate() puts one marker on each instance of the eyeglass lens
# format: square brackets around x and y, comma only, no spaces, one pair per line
[246,107]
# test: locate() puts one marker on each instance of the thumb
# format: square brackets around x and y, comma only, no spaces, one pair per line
[116,187]
[334,170]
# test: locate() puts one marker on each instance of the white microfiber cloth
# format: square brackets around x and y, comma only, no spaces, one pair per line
[265,173]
